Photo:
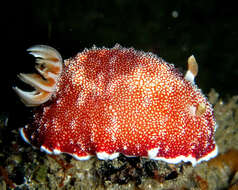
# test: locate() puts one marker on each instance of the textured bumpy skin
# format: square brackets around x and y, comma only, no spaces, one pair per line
[119,100]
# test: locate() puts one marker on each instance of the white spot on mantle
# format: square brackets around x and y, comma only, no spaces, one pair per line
[192,110]
[152,153]
[106,156]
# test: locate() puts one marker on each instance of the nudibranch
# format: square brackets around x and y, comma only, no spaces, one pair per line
[105,102]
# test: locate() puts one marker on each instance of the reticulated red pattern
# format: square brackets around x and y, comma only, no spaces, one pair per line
[126,101]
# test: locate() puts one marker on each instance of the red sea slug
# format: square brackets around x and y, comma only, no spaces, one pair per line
[109,101]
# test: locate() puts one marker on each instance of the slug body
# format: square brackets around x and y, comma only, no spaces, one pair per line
[108,101]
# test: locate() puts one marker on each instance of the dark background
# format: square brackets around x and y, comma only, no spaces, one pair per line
[207,29]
